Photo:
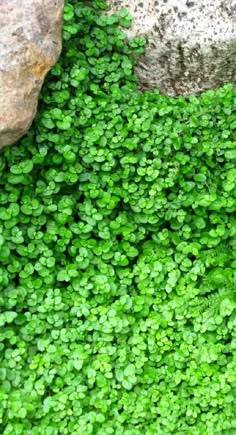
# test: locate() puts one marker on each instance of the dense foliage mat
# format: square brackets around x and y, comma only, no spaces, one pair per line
[118,243]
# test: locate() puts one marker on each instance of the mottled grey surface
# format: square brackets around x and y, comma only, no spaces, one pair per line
[30,43]
[191,43]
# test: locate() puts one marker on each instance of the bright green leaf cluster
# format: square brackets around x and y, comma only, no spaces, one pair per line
[117,251]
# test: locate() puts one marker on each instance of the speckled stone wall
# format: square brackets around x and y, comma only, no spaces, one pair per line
[191,43]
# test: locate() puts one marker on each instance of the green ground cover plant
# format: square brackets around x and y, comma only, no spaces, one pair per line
[118,243]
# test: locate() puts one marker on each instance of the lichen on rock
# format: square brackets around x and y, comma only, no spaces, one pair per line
[191,43]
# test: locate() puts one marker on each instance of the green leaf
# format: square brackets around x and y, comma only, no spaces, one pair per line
[10,316]
[48,123]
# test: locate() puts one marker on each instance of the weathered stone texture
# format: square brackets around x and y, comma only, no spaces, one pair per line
[30,43]
[191,43]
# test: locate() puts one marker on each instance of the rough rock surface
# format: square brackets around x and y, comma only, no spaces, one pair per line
[191,43]
[30,43]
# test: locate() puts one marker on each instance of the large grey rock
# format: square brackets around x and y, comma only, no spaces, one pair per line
[191,43]
[30,43]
